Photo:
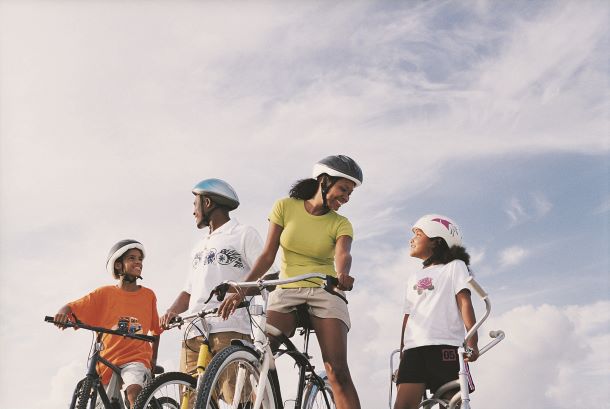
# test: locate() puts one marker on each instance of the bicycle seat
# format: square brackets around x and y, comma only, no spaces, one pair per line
[302,317]
[158,370]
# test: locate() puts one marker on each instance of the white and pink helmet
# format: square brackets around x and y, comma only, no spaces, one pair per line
[436,225]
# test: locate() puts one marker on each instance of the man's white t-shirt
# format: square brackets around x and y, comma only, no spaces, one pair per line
[434,318]
[228,253]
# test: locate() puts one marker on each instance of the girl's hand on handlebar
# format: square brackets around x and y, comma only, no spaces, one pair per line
[346,281]
[230,303]
[474,354]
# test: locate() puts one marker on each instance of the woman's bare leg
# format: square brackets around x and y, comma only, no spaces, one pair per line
[332,337]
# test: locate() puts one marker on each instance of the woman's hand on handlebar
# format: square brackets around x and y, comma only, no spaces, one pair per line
[229,304]
[346,281]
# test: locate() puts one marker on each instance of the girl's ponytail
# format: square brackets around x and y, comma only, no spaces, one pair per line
[443,254]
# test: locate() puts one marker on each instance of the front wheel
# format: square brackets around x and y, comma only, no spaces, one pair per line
[84,393]
[171,390]
[231,380]
[317,397]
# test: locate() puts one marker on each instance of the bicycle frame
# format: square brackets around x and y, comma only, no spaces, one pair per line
[262,345]
[92,374]
[203,357]
[96,381]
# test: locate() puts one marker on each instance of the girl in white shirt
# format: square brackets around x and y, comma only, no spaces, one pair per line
[438,310]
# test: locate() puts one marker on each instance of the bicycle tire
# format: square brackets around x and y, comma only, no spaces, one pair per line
[165,391]
[235,362]
[313,398]
[86,388]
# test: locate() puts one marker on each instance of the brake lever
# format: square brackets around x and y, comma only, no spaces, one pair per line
[330,284]
[220,291]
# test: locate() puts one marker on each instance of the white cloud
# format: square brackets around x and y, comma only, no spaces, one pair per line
[515,211]
[536,207]
[62,386]
[512,256]
[111,112]
[604,207]
[548,359]
[541,204]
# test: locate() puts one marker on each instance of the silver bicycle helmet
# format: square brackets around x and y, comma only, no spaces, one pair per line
[219,191]
[118,250]
[339,166]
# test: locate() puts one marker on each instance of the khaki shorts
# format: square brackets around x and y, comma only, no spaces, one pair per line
[218,342]
[320,303]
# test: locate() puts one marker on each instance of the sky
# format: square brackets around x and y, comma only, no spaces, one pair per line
[493,113]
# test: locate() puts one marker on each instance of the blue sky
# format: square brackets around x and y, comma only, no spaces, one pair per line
[494,113]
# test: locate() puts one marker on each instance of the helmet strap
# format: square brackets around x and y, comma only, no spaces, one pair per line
[126,277]
[205,216]
[325,187]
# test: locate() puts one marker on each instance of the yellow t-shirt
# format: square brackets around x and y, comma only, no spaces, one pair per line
[307,241]
[113,308]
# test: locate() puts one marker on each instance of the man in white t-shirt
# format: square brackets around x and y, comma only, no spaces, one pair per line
[227,252]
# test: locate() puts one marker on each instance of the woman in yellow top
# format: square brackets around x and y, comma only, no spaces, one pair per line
[314,239]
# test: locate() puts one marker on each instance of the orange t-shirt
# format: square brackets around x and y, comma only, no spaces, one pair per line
[114,308]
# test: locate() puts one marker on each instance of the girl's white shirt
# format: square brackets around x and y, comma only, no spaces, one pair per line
[434,318]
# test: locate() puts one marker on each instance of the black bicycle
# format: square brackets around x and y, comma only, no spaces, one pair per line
[90,388]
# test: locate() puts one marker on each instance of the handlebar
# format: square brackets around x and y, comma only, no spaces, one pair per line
[479,290]
[178,320]
[78,324]
[330,283]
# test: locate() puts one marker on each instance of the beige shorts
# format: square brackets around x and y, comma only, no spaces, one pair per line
[320,303]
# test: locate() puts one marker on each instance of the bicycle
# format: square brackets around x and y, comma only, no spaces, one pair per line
[456,394]
[180,386]
[251,366]
[89,388]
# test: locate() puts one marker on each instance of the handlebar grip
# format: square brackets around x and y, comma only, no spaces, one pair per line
[496,334]
[243,304]
[175,320]
[477,287]
[49,319]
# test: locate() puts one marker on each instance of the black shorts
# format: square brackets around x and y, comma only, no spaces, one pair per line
[433,365]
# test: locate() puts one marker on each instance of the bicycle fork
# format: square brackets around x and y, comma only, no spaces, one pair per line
[241,380]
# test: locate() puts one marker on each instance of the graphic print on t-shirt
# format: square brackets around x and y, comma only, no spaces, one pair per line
[423,285]
[128,325]
[223,257]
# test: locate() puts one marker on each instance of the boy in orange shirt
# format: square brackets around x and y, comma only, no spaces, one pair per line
[126,306]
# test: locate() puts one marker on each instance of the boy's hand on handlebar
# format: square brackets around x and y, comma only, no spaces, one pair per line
[61,318]
[346,282]
[229,305]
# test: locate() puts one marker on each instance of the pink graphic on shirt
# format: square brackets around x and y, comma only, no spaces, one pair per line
[423,285]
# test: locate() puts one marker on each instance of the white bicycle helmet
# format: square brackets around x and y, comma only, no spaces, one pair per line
[339,166]
[118,250]
[219,191]
[436,225]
